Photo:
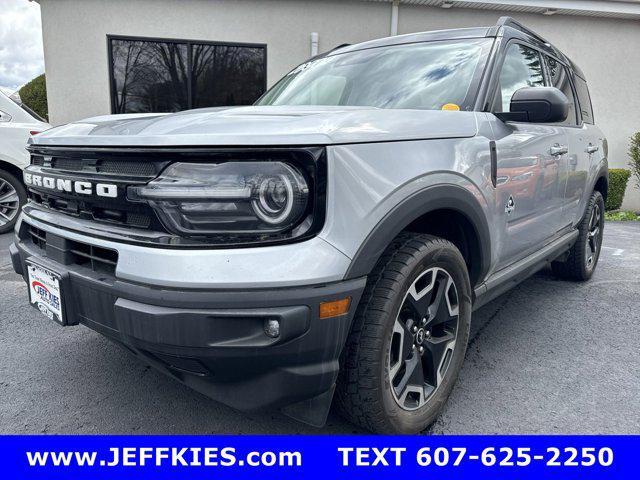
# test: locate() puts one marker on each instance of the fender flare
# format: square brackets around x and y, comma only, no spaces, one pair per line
[437,197]
[603,172]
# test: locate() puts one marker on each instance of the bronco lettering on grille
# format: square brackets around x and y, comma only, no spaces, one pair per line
[71,186]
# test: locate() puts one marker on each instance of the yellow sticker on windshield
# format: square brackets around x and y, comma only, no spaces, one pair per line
[450,106]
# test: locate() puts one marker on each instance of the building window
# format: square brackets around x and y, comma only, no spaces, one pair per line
[153,75]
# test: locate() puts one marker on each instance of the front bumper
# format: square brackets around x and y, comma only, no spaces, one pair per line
[212,339]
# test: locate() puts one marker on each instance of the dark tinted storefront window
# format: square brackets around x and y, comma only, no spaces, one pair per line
[149,76]
[167,76]
[227,75]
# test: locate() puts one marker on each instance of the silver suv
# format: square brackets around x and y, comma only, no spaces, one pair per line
[333,239]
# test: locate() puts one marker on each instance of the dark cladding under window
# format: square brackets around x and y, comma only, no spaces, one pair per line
[168,76]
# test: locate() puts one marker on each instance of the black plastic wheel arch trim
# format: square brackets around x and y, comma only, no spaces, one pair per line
[438,197]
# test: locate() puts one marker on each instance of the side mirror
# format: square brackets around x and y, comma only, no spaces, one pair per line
[537,105]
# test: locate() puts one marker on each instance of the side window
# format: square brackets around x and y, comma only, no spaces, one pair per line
[522,67]
[584,100]
[559,78]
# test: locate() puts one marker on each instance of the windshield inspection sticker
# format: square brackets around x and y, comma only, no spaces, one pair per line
[44,292]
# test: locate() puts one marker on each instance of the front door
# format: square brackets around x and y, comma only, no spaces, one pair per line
[531,159]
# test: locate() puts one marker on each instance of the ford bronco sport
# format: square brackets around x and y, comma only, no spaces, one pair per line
[333,239]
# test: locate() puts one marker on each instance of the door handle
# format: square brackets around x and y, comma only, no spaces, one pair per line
[592,148]
[558,149]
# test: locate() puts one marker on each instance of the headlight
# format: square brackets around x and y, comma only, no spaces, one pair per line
[195,199]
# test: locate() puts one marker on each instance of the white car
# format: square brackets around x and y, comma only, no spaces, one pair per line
[17,124]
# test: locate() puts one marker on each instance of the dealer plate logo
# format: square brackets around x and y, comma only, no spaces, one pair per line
[44,292]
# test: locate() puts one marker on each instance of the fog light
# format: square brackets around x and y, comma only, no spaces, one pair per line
[272,328]
[335,308]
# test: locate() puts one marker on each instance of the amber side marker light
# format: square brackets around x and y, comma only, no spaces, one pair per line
[335,308]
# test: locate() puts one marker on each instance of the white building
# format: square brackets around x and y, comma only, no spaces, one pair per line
[105,56]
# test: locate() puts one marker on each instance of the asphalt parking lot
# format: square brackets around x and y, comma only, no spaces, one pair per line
[547,357]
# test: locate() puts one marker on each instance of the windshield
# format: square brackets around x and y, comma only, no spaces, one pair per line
[414,76]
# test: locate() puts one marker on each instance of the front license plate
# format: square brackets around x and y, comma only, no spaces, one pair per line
[44,292]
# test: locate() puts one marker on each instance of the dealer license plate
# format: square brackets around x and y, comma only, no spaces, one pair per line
[44,292]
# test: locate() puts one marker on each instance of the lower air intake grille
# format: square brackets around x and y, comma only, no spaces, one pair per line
[70,252]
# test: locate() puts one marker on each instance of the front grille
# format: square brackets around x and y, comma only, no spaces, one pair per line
[131,168]
[70,252]
[138,169]
[69,164]
[115,168]
[136,216]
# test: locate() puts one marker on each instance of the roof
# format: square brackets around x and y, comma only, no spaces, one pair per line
[506,26]
[451,34]
[592,8]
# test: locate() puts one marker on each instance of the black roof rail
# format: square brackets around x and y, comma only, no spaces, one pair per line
[340,46]
[510,22]
[324,54]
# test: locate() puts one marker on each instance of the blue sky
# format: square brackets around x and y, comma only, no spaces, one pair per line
[21,57]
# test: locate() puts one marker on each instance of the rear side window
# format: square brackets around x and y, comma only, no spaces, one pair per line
[559,78]
[584,100]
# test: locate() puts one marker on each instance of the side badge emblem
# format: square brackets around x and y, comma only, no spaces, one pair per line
[511,205]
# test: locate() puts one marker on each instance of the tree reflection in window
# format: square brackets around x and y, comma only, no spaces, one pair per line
[163,76]
[522,67]
[227,75]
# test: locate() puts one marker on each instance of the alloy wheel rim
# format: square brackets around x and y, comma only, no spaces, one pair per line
[594,237]
[423,338]
[9,202]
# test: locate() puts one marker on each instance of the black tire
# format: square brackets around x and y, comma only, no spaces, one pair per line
[10,210]
[364,389]
[583,257]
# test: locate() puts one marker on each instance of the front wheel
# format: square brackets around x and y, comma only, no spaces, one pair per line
[12,196]
[409,337]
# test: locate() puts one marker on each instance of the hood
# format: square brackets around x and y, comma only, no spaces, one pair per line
[238,126]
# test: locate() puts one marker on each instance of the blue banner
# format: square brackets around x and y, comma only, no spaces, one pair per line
[327,457]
